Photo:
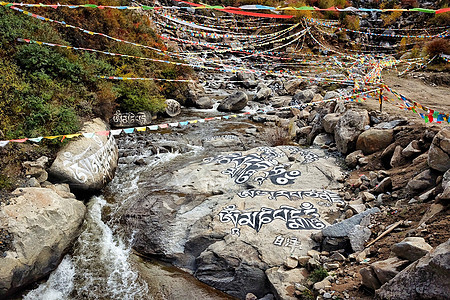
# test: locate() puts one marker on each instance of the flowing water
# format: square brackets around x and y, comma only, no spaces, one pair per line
[101,264]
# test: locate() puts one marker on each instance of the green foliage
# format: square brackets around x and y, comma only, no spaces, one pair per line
[5,182]
[318,274]
[49,90]
[307,295]
[138,97]
[37,59]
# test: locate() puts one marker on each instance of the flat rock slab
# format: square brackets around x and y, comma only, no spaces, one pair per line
[231,217]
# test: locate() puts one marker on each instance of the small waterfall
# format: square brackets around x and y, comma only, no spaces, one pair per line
[98,269]
[102,270]
[59,285]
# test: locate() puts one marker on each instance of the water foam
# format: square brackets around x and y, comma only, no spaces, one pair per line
[58,286]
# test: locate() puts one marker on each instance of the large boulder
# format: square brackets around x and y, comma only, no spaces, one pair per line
[232,216]
[349,127]
[89,162]
[373,140]
[246,79]
[234,102]
[43,223]
[203,103]
[439,154]
[263,93]
[194,92]
[427,278]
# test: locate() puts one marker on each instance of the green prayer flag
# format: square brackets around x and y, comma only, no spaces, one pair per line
[305,8]
[432,11]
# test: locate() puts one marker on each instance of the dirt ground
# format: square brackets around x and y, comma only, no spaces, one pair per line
[416,89]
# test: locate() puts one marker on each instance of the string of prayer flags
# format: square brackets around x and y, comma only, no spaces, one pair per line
[233,10]
[429,115]
[439,35]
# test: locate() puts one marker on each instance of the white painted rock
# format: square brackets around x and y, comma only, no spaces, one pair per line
[43,223]
[89,162]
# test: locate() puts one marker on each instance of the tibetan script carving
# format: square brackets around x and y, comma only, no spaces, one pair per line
[305,217]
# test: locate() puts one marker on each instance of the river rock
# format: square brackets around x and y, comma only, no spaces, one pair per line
[89,162]
[427,278]
[373,140]
[283,281]
[347,130]
[292,86]
[203,224]
[330,121]
[43,225]
[247,79]
[130,119]
[36,169]
[263,93]
[204,103]
[305,96]
[173,108]
[439,154]
[194,91]
[234,102]
[411,248]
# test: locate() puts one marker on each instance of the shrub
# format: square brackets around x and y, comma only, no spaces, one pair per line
[318,274]
[38,59]
[351,22]
[139,96]
[438,46]
[5,182]
[278,136]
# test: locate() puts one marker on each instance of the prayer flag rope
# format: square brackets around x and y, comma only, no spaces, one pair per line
[439,35]
[234,10]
